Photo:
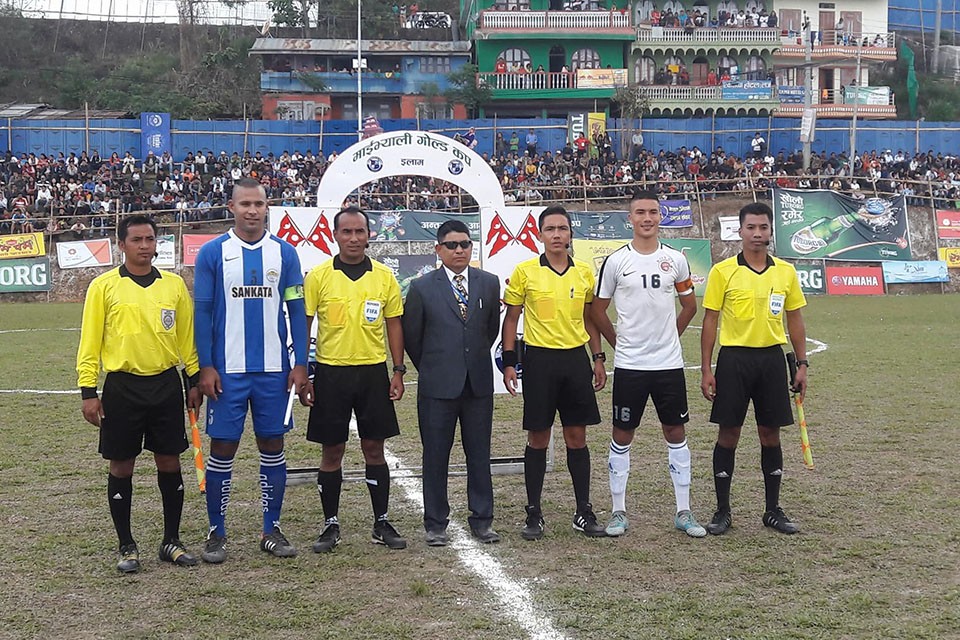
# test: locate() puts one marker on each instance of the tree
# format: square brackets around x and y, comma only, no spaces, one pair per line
[465,89]
[633,103]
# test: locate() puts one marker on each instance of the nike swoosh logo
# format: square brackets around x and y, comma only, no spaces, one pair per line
[231,258]
[626,273]
[684,414]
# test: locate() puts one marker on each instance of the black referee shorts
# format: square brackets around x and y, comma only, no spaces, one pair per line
[142,412]
[558,380]
[758,374]
[361,389]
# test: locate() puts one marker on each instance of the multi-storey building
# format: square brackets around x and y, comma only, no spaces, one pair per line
[307,79]
[844,39]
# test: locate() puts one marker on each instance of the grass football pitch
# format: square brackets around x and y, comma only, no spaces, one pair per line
[878,555]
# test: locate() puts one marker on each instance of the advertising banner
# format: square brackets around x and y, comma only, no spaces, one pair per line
[155,133]
[674,213]
[191,246]
[729,228]
[747,90]
[166,252]
[85,253]
[22,245]
[608,225]
[577,124]
[408,268]
[25,275]
[950,255]
[811,278]
[601,78]
[790,94]
[416,226]
[948,224]
[824,224]
[866,95]
[916,271]
[858,281]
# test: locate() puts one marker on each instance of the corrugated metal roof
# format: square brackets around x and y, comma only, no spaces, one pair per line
[27,111]
[349,47]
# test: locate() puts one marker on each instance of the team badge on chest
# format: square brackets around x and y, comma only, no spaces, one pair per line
[168,318]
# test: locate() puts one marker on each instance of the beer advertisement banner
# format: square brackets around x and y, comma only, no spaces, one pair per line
[191,246]
[857,281]
[915,272]
[408,268]
[86,253]
[22,245]
[696,251]
[824,224]
[416,226]
[950,255]
[948,224]
[25,275]
[811,278]
[577,124]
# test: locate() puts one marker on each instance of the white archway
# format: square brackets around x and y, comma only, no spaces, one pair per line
[396,153]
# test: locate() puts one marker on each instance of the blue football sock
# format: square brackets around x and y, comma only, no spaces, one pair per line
[219,478]
[273,483]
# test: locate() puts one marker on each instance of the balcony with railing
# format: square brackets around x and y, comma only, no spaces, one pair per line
[672,37]
[407,83]
[738,98]
[839,44]
[544,24]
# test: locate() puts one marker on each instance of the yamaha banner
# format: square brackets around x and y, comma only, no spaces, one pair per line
[155,133]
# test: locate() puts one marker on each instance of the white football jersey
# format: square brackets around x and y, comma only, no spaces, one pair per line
[643,288]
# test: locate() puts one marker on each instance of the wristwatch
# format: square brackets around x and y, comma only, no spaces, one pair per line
[805,363]
[600,356]
[400,368]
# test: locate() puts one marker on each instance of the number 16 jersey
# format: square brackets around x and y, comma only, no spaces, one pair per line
[643,287]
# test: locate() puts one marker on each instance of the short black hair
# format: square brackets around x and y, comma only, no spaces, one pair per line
[643,194]
[451,226]
[130,221]
[554,210]
[348,210]
[247,182]
[756,209]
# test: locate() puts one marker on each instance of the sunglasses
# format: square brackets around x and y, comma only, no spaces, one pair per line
[452,245]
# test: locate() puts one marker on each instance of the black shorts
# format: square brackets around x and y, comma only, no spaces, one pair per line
[142,412]
[558,380]
[744,374]
[631,389]
[362,389]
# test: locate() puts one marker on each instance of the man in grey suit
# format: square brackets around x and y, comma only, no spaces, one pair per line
[451,318]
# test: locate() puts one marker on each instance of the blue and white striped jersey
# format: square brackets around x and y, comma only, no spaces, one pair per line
[240,290]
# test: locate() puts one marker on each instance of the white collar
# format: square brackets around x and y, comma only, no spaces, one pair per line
[451,274]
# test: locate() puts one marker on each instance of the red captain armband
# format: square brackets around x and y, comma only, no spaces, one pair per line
[685,285]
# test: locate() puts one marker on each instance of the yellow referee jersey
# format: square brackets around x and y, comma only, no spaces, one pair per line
[552,302]
[752,305]
[350,313]
[139,330]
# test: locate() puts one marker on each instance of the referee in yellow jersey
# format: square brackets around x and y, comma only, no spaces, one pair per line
[554,292]
[137,327]
[750,294]
[354,299]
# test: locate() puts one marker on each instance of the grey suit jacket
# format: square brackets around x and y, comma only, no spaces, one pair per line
[443,347]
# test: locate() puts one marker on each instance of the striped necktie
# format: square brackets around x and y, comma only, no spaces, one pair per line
[462,298]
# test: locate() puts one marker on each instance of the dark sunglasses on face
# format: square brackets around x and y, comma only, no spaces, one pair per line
[452,245]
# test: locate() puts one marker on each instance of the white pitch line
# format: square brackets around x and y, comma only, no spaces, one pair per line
[514,597]
[34,330]
[41,391]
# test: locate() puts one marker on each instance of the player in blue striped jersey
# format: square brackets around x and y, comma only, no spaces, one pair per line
[244,281]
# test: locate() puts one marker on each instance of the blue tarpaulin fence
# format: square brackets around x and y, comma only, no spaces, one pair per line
[275,136]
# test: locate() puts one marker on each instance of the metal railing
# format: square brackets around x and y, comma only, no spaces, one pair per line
[554,20]
[708,35]
[537,80]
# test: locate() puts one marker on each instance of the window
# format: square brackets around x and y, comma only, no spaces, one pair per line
[756,69]
[295,110]
[585,59]
[435,64]
[511,5]
[644,70]
[515,58]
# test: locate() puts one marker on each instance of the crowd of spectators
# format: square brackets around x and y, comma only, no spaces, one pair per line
[79,196]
